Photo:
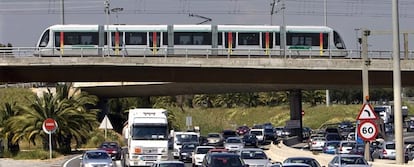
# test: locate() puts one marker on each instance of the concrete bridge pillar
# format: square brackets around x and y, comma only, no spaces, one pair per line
[295,123]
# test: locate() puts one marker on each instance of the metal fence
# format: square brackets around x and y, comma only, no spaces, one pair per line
[21,52]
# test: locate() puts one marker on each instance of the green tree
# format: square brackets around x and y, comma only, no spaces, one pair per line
[313,96]
[67,108]
[7,111]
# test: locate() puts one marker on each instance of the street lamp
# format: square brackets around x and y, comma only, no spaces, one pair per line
[116,10]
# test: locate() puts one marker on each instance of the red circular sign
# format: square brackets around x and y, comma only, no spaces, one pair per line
[50,124]
[367,130]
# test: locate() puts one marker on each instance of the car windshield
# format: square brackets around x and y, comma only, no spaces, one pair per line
[257,133]
[171,165]
[203,150]
[97,155]
[253,155]
[109,145]
[189,146]
[233,141]
[249,137]
[353,160]
[231,161]
[390,146]
[308,161]
[213,135]
[187,138]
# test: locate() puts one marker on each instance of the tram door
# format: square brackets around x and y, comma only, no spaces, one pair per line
[117,42]
[154,40]
[267,42]
[230,41]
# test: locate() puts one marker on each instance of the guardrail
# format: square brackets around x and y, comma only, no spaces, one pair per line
[22,52]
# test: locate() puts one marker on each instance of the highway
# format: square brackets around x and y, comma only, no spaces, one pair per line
[280,152]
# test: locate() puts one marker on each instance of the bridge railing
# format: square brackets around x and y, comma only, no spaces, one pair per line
[21,52]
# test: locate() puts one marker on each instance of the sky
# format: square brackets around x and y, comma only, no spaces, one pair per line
[23,21]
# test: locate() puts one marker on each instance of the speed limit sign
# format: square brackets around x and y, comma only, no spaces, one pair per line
[367,130]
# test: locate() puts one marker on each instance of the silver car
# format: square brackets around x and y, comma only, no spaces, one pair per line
[343,160]
[233,144]
[95,158]
[254,157]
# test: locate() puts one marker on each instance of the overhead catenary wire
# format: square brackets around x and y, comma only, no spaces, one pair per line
[367,8]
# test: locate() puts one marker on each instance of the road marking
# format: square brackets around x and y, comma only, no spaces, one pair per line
[66,163]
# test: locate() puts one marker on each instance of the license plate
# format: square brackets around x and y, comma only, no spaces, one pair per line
[150,158]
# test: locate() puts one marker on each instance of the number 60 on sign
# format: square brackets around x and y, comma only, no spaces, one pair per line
[367,130]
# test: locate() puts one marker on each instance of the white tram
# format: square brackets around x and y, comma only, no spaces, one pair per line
[177,40]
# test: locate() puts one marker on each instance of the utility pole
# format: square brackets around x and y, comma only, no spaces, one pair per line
[107,12]
[399,142]
[365,84]
[283,26]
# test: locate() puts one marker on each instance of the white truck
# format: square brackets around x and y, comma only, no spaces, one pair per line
[146,134]
[182,137]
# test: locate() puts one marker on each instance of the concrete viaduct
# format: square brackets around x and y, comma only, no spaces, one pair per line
[196,75]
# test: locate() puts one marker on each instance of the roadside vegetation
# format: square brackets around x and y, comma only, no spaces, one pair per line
[78,114]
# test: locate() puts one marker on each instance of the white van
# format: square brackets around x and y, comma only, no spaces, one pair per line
[259,134]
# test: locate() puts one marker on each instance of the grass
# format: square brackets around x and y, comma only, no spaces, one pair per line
[217,119]
[35,154]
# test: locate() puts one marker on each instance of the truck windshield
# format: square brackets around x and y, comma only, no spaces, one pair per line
[181,138]
[149,132]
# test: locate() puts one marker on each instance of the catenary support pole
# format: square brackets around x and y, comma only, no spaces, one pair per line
[399,143]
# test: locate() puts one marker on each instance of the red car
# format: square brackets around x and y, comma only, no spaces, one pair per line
[242,130]
[112,148]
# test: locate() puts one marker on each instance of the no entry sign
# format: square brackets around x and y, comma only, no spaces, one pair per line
[49,125]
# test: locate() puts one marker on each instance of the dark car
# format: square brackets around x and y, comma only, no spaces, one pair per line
[332,136]
[359,149]
[229,133]
[250,141]
[112,148]
[242,130]
[187,150]
[304,160]
[269,135]
[223,160]
[410,126]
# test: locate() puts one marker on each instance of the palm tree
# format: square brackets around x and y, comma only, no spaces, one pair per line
[67,108]
[6,112]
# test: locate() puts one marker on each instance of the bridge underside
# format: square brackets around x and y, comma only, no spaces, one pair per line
[171,88]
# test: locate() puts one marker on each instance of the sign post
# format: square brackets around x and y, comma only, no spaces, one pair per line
[367,128]
[49,126]
[106,124]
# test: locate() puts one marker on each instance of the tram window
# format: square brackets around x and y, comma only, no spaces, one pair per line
[248,38]
[220,38]
[192,38]
[165,38]
[338,41]
[45,39]
[135,38]
[77,38]
[306,39]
